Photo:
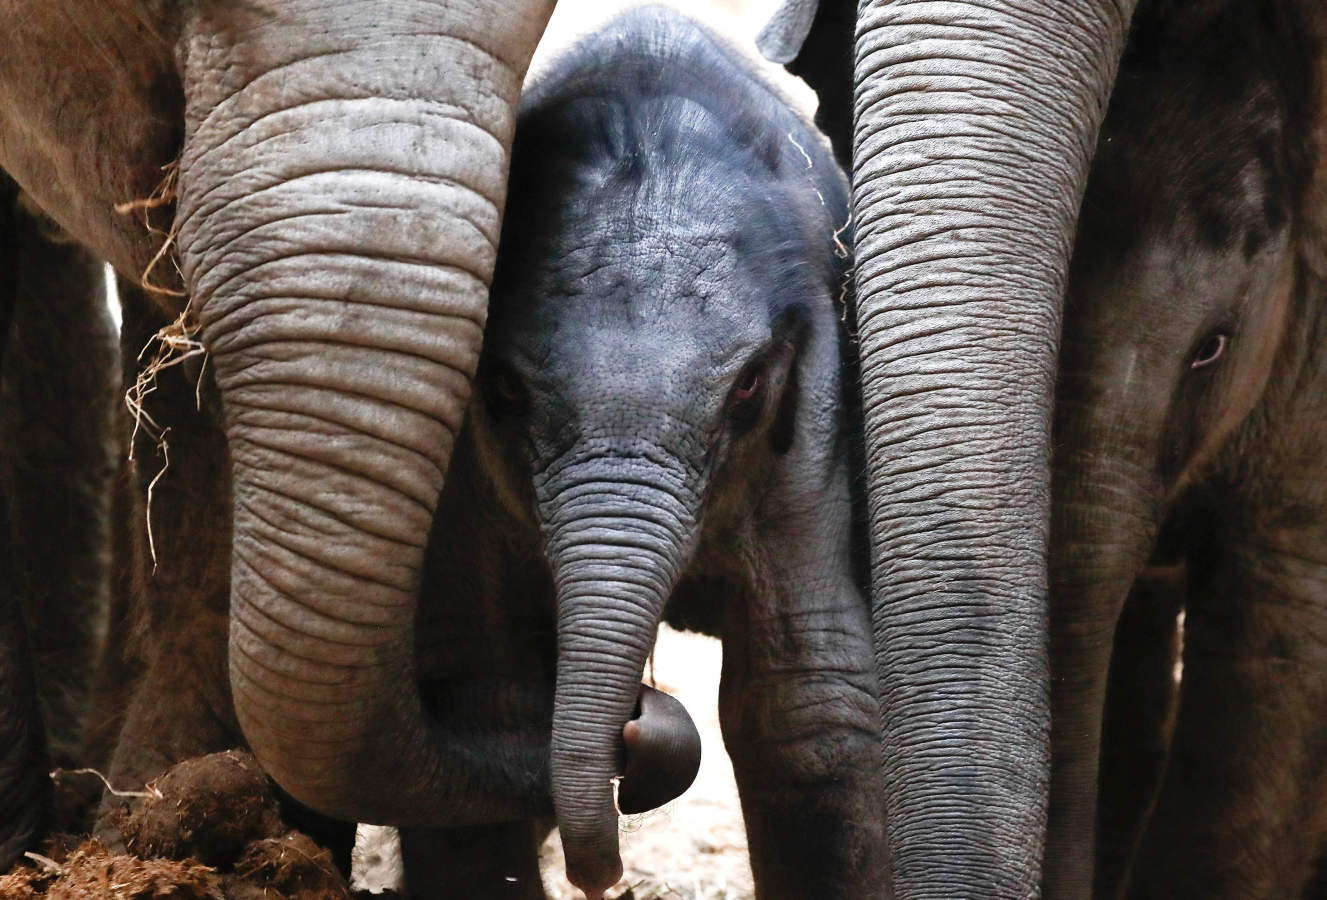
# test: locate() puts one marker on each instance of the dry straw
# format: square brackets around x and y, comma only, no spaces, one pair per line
[170,346]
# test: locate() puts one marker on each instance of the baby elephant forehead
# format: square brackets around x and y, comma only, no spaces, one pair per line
[631,276]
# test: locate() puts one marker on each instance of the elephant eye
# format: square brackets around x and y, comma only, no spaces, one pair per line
[504,392]
[1210,350]
[749,384]
[748,394]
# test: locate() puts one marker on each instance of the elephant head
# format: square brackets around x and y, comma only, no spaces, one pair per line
[341,180]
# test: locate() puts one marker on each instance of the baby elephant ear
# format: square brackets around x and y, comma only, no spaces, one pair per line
[662,753]
[783,35]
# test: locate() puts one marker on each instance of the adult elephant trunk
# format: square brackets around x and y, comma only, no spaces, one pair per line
[975,125]
[1107,501]
[340,193]
[619,530]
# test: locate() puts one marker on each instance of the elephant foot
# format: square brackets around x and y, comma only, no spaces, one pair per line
[662,753]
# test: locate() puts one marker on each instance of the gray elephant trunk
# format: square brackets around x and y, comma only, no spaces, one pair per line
[339,204]
[974,128]
[618,532]
[1103,525]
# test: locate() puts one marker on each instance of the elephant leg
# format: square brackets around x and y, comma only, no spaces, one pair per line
[499,861]
[57,391]
[1242,811]
[56,385]
[800,720]
[180,706]
[24,788]
[1316,889]
[1140,712]
[119,666]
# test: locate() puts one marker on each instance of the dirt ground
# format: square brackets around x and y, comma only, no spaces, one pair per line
[207,829]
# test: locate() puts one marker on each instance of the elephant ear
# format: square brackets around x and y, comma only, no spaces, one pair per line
[783,35]
[813,39]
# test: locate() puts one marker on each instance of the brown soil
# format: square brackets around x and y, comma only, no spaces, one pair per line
[208,829]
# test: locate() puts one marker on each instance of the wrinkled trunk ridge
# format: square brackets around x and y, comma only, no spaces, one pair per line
[339,204]
[975,124]
[618,534]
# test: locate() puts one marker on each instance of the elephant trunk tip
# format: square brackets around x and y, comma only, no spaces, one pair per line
[594,872]
[660,761]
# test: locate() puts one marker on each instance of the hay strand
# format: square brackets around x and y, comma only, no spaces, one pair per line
[150,792]
[162,196]
[170,346]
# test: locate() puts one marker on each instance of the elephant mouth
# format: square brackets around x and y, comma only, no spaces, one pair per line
[661,753]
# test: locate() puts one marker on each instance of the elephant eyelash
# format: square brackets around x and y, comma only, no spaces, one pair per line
[1210,350]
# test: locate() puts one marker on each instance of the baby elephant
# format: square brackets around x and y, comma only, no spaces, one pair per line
[662,433]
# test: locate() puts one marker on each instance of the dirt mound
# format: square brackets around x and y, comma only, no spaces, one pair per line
[208,829]
[207,808]
[92,871]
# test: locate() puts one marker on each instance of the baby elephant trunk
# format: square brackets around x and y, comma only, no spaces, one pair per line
[618,531]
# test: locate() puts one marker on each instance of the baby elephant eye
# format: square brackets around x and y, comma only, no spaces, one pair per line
[1210,350]
[745,402]
[749,384]
[504,392]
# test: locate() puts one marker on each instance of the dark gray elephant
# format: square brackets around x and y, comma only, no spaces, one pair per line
[57,377]
[664,432]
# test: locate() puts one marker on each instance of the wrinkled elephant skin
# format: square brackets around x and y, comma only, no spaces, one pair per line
[974,123]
